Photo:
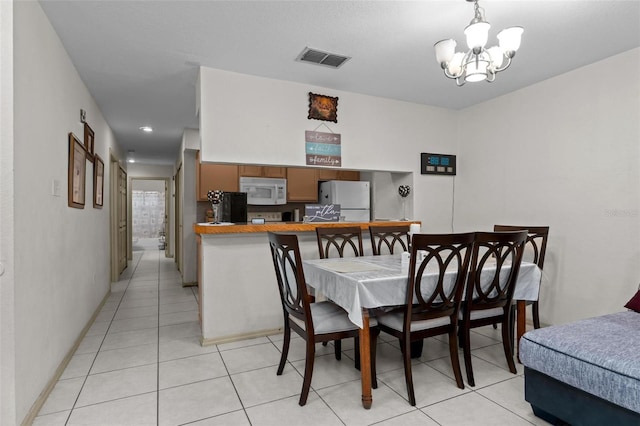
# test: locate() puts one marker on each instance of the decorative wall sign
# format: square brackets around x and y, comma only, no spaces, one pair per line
[322,212]
[323,108]
[437,164]
[98,182]
[77,172]
[323,149]
[89,141]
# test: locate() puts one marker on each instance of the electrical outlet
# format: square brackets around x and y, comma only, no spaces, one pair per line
[267,216]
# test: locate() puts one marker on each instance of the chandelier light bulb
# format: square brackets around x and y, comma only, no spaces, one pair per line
[445,50]
[455,66]
[510,38]
[497,57]
[477,35]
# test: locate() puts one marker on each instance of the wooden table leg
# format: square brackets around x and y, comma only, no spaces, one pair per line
[365,360]
[521,323]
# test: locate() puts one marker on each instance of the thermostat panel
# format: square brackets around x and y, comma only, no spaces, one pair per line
[437,164]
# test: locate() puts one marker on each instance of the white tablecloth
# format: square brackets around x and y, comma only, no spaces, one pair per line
[376,281]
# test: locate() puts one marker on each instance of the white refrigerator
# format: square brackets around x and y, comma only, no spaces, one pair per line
[353,197]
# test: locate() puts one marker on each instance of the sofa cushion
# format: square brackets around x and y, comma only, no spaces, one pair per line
[599,355]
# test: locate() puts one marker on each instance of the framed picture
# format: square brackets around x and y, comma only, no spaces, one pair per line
[98,182]
[77,172]
[89,141]
[323,108]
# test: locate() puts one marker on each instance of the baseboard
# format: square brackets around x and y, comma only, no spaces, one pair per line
[39,402]
[191,284]
[236,337]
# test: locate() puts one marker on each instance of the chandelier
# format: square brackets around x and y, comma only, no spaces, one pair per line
[478,63]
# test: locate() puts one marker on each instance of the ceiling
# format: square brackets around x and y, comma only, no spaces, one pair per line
[140,59]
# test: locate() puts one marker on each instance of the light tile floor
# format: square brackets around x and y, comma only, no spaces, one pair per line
[141,363]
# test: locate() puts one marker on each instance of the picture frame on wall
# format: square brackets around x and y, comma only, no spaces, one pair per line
[323,107]
[89,140]
[77,172]
[98,182]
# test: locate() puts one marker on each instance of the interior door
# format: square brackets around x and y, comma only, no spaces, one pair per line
[178,218]
[122,220]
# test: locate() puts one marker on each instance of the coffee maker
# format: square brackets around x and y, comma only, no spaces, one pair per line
[234,207]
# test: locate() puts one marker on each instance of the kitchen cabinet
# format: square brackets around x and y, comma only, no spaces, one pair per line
[262,171]
[338,174]
[215,176]
[302,184]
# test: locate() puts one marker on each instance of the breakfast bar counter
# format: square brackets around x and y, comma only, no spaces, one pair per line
[237,292]
[236,228]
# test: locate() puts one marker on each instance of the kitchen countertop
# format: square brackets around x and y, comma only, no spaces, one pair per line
[211,229]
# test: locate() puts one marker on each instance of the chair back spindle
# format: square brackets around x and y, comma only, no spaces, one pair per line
[387,239]
[536,246]
[446,255]
[534,252]
[344,241]
[505,249]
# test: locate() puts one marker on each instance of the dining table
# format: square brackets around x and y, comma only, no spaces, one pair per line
[361,284]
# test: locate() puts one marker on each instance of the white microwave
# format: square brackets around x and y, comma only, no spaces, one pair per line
[264,191]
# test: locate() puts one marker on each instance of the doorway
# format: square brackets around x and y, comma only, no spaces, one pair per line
[149,216]
[118,214]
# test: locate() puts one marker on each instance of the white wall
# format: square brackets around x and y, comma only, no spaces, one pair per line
[247,119]
[147,171]
[564,153]
[147,185]
[7,218]
[62,253]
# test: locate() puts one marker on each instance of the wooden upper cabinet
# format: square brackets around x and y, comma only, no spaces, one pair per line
[302,184]
[262,171]
[338,174]
[215,176]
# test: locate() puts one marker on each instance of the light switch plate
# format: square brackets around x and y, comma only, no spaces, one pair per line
[55,187]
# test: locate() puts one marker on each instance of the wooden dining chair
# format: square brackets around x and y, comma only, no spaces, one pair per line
[336,242]
[435,286]
[384,239]
[534,252]
[339,241]
[314,322]
[495,263]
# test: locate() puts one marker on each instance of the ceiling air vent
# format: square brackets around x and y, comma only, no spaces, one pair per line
[322,58]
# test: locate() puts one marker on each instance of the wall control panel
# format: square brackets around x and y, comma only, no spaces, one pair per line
[437,164]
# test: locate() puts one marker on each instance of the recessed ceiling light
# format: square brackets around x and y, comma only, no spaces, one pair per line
[146,129]
[131,160]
